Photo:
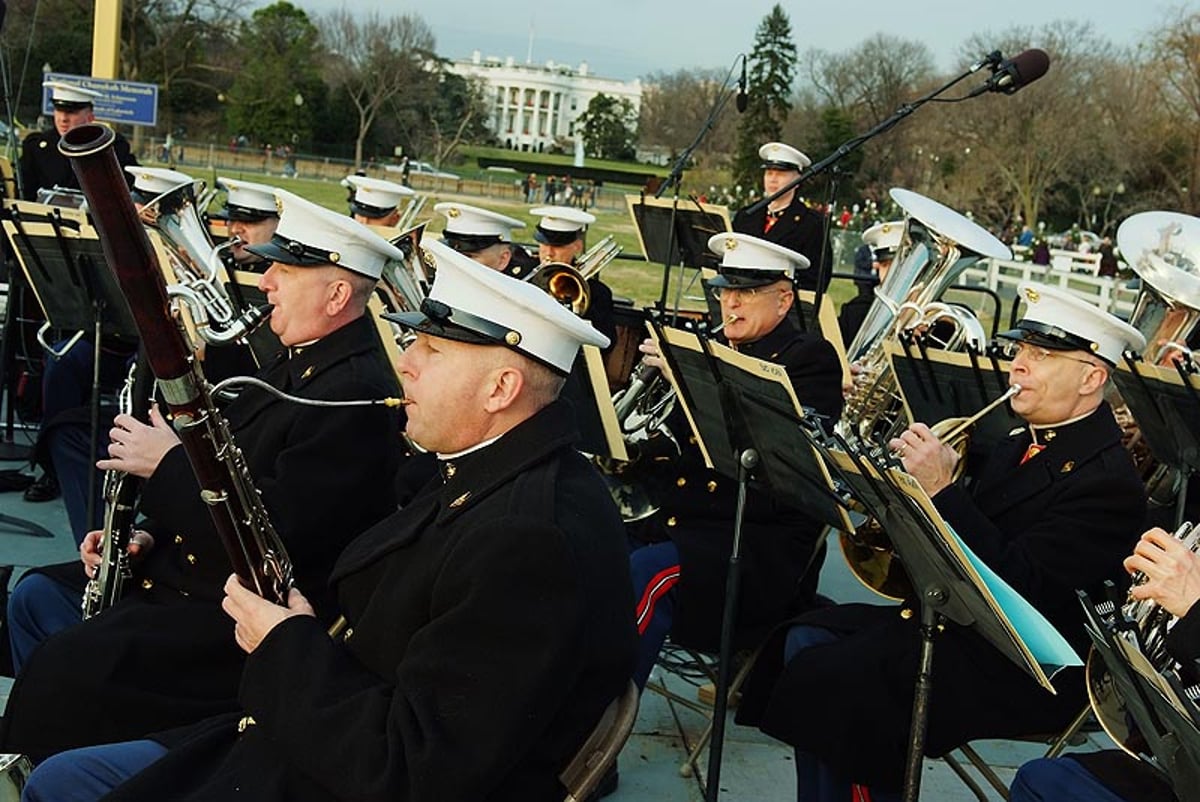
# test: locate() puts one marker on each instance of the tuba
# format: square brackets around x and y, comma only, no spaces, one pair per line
[196,263]
[568,283]
[937,246]
[1163,249]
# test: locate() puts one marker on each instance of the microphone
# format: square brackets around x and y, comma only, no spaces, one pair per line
[1016,72]
[743,99]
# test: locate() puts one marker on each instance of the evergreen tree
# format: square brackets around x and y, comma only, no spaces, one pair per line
[608,128]
[279,90]
[772,67]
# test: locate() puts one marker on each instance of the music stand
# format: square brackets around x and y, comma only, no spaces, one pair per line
[9,449]
[671,233]
[1165,401]
[951,584]
[748,424]
[587,391]
[937,384]
[1164,714]
[61,258]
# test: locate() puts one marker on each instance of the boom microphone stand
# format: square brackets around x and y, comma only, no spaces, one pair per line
[675,177]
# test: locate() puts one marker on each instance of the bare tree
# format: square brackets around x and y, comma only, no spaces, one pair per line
[675,108]
[374,60]
[171,42]
[1175,69]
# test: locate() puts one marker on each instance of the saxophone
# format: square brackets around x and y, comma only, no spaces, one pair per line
[239,516]
[120,509]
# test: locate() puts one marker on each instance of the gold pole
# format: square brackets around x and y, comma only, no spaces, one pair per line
[106,39]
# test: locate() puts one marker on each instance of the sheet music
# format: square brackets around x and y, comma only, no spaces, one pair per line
[782,459]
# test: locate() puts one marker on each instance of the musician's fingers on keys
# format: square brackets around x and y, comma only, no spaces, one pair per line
[1171,568]
[930,461]
[653,356]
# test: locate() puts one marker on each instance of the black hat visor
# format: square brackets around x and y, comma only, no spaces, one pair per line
[1049,337]
[777,165]
[293,252]
[735,278]
[372,212]
[550,237]
[470,243]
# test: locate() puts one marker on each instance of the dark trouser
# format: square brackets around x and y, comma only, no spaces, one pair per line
[90,773]
[38,607]
[655,573]
[1058,780]
[816,780]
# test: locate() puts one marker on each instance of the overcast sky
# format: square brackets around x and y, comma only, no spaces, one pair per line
[632,38]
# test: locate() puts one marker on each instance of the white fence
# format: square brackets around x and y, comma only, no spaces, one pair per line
[1003,276]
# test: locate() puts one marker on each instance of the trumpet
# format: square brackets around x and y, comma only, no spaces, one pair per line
[869,552]
[568,283]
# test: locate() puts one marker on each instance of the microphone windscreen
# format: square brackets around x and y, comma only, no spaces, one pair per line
[1029,66]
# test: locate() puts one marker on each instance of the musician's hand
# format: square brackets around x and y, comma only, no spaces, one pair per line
[254,616]
[858,374]
[1172,571]
[90,551]
[140,543]
[653,357]
[930,461]
[136,448]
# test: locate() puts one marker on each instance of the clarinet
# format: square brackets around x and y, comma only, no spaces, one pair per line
[239,516]
[120,509]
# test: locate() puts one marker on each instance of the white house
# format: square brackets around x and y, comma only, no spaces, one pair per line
[533,105]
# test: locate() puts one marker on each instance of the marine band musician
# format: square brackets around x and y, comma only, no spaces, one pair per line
[1052,509]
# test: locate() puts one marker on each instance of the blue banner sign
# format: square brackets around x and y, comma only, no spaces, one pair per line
[125,102]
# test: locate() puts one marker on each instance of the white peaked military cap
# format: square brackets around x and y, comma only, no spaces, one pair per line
[470,229]
[779,156]
[150,182]
[1057,320]
[246,200]
[310,235]
[884,238]
[748,261]
[474,304]
[374,197]
[560,225]
[70,97]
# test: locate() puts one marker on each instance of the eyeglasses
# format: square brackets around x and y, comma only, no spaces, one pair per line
[745,293]
[1011,349]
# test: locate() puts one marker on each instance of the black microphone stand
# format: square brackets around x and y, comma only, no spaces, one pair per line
[675,177]
[856,142]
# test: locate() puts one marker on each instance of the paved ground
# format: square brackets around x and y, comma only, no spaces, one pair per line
[754,767]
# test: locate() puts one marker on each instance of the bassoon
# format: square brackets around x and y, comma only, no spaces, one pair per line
[238,513]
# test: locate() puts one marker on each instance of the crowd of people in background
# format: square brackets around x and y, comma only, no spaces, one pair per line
[560,191]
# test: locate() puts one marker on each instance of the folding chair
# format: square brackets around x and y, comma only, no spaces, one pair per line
[1057,743]
[601,747]
[706,669]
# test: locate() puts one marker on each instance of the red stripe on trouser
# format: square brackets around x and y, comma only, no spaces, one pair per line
[659,584]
